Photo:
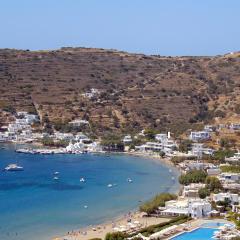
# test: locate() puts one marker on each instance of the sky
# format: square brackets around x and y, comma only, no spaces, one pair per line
[164,27]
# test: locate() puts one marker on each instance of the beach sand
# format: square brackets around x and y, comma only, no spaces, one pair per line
[100,231]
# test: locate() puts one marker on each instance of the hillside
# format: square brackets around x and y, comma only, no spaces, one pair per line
[134,91]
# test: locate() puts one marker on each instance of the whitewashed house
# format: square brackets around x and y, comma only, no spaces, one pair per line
[191,190]
[196,208]
[161,137]
[82,138]
[63,136]
[231,197]
[235,126]
[78,122]
[214,171]
[127,139]
[234,158]
[209,128]
[229,177]
[3,137]
[199,136]
[31,118]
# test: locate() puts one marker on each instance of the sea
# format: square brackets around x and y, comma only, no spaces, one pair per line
[35,206]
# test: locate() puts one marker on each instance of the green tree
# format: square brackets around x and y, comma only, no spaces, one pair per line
[150,134]
[158,201]
[185,145]
[115,236]
[230,168]
[203,193]
[213,184]
[46,141]
[194,176]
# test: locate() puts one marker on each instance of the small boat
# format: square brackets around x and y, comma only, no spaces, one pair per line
[85,206]
[109,185]
[55,178]
[56,173]
[170,170]
[173,178]
[82,179]
[13,168]
[129,180]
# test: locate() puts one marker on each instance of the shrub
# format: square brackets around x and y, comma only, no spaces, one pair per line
[9,109]
[158,201]
[213,184]
[194,176]
[203,192]
[230,168]
[185,145]
[115,236]
[221,154]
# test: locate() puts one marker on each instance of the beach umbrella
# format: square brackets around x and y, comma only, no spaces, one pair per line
[116,229]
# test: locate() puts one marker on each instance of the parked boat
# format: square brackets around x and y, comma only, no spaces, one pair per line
[129,180]
[13,168]
[82,180]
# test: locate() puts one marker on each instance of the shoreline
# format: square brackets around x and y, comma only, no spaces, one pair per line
[100,230]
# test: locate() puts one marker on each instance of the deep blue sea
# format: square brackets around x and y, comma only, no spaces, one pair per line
[32,204]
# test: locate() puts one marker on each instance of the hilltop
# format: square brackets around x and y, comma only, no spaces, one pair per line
[119,91]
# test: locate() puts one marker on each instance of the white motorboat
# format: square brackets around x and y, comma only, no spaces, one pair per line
[55,178]
[129,180]
[56,173]
[109,185]
[13,168]
[82,179]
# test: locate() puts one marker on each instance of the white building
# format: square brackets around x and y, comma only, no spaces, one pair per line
[197,150]
[229,177]
[127,139]
[80,147]
[196,208]
[199,136]
[235,126]
[26,117]
[161,137]
[231,197]
[63,136]
[92,93]
[191,191]
[214,171]
[150,147]
[82,138]
[3,137]
[234,158]
[78,122]
[200,208]
[31,118]
[21,114]
[209,128]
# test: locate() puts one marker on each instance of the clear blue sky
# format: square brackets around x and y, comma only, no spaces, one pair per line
[165,27]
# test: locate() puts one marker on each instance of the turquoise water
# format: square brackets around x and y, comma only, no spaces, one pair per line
[212,224]
[35,207]
[198,234]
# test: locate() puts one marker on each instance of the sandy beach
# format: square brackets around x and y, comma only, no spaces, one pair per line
[99,231]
